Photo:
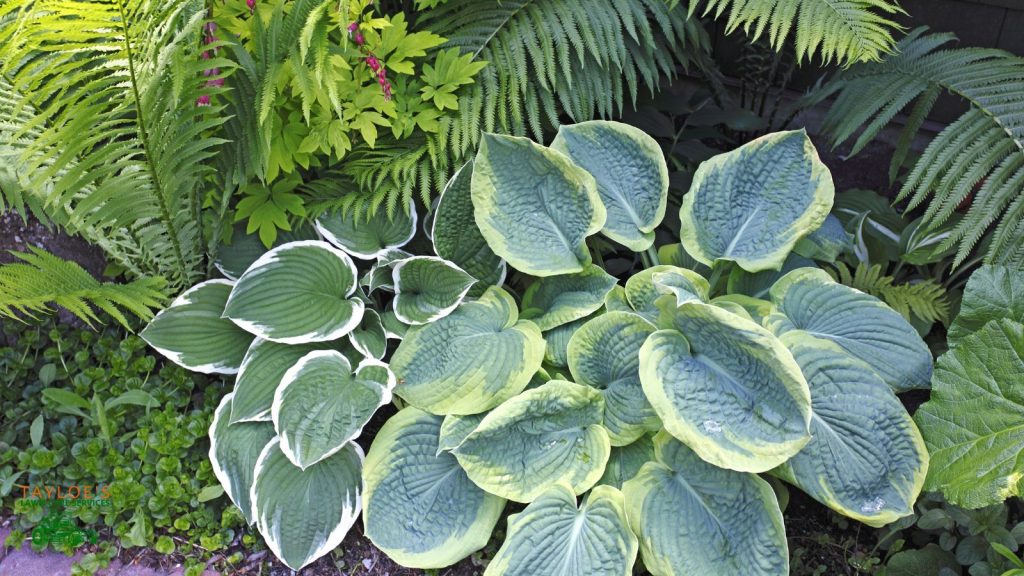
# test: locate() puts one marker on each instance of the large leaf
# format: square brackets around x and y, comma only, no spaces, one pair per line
[368,236]
[631,175]
[556,300]
[534,206]
[233,259]
[321,406]
[234,450]
[549,434]
[556,341]
[262,369]
[726,388]
[420,508]
[428,288]
[827,242]
[866,458]
[192,333]
[695,518]
[974,423]
[625,461]
[644,288]
[297,293]
[992,292]
[863,325]
[471,360]
[304,514]
[753,204]
[553,536]
[758,284]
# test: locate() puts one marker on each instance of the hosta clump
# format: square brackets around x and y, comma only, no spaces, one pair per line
[639,418]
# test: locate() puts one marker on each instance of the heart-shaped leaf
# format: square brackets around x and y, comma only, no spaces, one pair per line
[368,236]
[234,450]
[428,288]
[555,300]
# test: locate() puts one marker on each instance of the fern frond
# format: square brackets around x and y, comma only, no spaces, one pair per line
[926,299]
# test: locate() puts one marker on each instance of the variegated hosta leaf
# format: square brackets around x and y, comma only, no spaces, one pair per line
[827,242]
[304,514]
[549,434]
[233,259]
[755,308]
[616,300]
[192,333]
[378,277]
[631,175]
[471,360]
[808,299]
[866,458]
[555,300]
[675,255]
[556,342]
[234,450]
[757,284]
[428,288]
[262,369]
[369,337]
[992,292]
[642,292]
[695,518]
[297,293]
[534,206]
[373,369]
[420,508]
[625,461]
[605,354]
[553,536]
[457,238]
[455,428]
[685,285]
[753,204]
[394,328]
[321,406]
[368,237]
[726,388]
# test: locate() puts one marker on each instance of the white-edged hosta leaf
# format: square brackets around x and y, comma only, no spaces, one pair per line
[321,406]
[866,458]
[826,243]
[625,461]
[696,518]
[262,369]
[726,388]
[471,360]
[394,328]
[605,354]
[455,428]
[757,284]
[534,206]
[369,337]
[373,369]
[631,174]
[428,288]
[297,293]
[192,333]
[553,536]
[378,277]
[556,342]
[810,300]
[642,292]
[233,259]
[753,204]
[368,237]
[304,514]
[992,292]
[549,434]
[234,450]
[555,300]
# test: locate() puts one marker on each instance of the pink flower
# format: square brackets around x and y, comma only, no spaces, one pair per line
[372,62]
[358,38]
[203,100]
[353,27]
[251,4]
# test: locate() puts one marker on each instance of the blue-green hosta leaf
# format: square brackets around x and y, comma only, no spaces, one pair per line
[534,206]
[549,434]
[866,458]
[808,299]
[428,288]
[556,342]
[758,284]
[457,238]
[369,337]
[616,300]
[192,333]
[455,428]
[555,300]
[321,406]
[304,514]
[233,259]
[631,175]
[262,369]
[992,292]
[685,285]
[753,204]
[471,360]
[695,518]
[605,354]
[234,450]
[755,308]
[367,238]
[553,536]
[420,508]
[625,461]
[675,255]
[726,388]
[642,292]
[827,242]
[974,423]
[297,293]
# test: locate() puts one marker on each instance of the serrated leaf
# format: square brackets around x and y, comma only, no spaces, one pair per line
[992,292]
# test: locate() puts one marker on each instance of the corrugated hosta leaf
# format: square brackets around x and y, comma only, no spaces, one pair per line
[192,333]
[974,423]
[419,506]
[642,292]
[549,434]
[262,369]
[605,354]
[758,284]
[695,518]
[455,428]
[556,342]
[810,300]
[297,293]
[827,242]
[726,388]
[234,450]
[866,458]
[625,461]
[321,406]
[369,337]
[365,237]
[753,204]
[555,300]
[992,292]
[428,288]
[457,238]
[755,308]
[471,360]
[553,536]
[534,206]
[631,175]
[233,259]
